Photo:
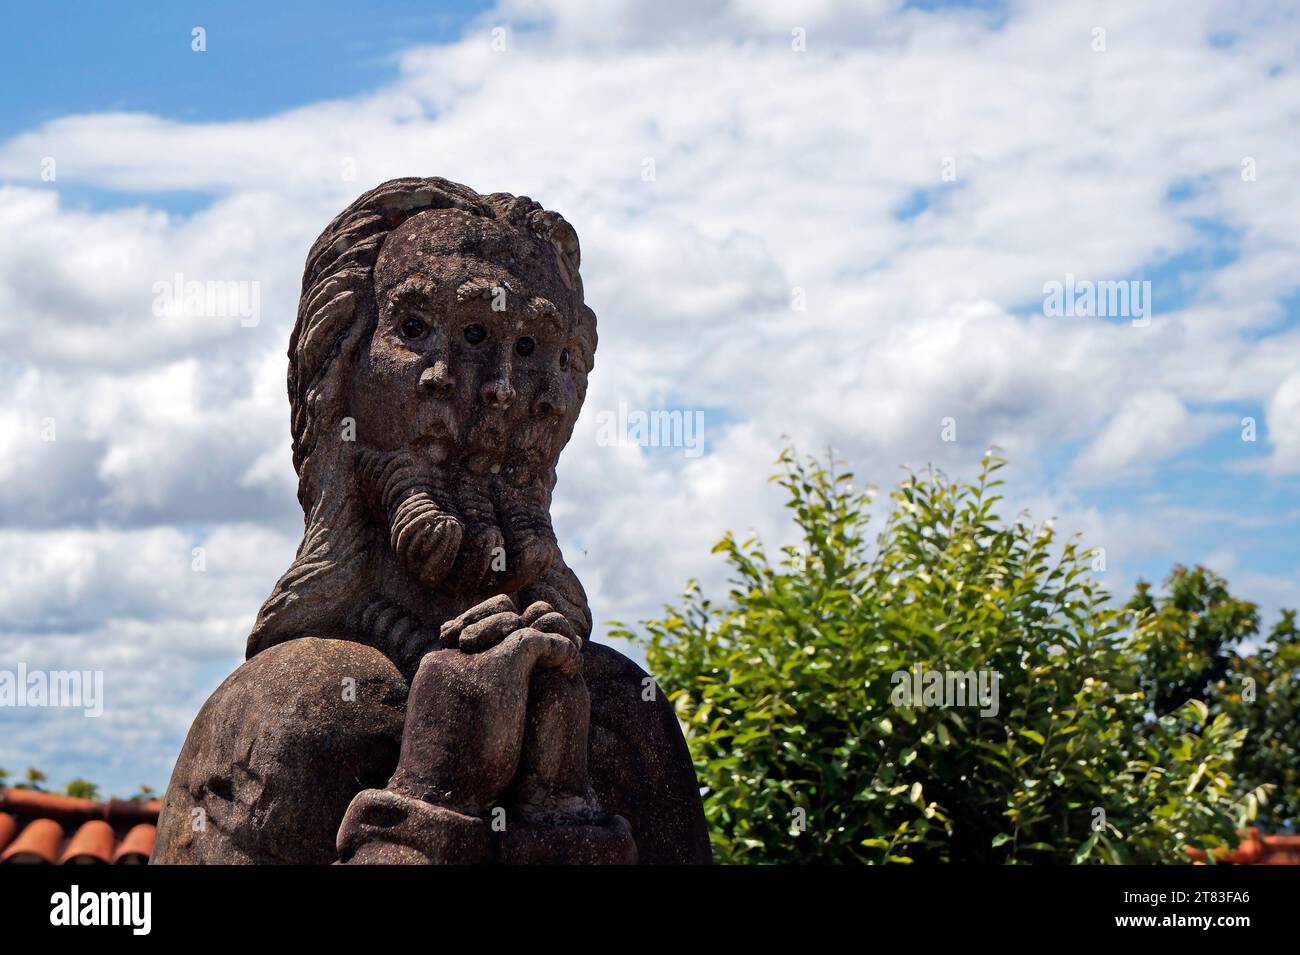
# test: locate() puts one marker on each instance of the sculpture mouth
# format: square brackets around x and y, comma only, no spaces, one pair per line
[488,454]
[434,448]
[486,443]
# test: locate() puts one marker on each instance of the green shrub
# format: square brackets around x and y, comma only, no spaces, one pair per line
[788,693]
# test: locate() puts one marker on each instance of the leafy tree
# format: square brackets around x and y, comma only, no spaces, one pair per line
[1261,693]
[82,789]
[789,693]
[1195,651]
[145,794]
[34,780]
[1193,629]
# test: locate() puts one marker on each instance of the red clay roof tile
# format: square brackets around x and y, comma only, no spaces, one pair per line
[36,826]
[8,829]
[38,842]
[137,846]
[28,802]
[1257,849]
[92,843]
[125,811]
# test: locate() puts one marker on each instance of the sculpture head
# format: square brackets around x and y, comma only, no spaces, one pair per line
[436,369]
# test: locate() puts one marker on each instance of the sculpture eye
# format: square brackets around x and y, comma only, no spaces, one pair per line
[525,346]
[564,358]
[475,334]
[414,328]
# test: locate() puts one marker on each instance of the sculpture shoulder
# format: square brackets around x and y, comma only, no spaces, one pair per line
[277,753]
[640,765]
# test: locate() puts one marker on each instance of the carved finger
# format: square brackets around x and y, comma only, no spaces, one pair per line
[535,610]
[543,616]
[529,648]
[555,622]
[485,634]
[451,630]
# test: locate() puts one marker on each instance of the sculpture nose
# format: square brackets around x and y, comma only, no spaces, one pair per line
[438,381]
[549,405]
[498,393]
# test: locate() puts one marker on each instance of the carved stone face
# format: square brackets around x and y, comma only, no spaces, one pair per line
[468,390]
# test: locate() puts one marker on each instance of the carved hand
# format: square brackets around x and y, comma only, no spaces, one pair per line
[466,717]
[501,714]
[484,625]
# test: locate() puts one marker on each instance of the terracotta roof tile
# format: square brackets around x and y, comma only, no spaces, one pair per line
[1257,849]
[44,827]
[28,802]
[137,846]
[8,829]
[38,842]
[93,842]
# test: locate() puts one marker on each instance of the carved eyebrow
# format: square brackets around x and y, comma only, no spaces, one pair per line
[536,308]
[541,309]
[412,288]
[478,288]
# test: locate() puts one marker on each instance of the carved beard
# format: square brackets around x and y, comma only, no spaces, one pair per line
[462,530]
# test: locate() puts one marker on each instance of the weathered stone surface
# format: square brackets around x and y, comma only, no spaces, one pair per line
[640,766]
[437,367]
[278,752]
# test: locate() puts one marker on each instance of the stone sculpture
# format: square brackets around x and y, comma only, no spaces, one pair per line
[420,686]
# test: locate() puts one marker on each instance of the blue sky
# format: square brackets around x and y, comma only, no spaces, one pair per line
[776,171]
[261,58]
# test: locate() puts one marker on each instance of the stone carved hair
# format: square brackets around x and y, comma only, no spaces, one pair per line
[327,586]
